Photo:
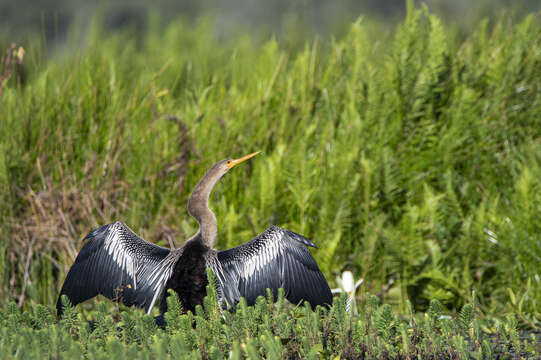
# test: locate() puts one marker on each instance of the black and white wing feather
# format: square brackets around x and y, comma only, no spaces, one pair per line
[118,264]
[277,258]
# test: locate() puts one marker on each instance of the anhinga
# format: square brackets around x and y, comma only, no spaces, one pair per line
[120,265]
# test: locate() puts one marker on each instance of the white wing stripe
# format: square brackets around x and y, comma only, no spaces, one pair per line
[159,276]
[269,252]
[116,248]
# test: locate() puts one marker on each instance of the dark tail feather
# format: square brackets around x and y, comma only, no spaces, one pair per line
[160,321]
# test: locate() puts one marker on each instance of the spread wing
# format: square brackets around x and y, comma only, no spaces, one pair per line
[277,258]
[118,264]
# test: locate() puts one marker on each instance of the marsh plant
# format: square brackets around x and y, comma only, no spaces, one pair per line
[271,329]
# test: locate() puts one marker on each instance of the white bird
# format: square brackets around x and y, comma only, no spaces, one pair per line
[348,285]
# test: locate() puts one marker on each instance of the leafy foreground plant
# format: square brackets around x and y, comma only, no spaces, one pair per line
[270,329]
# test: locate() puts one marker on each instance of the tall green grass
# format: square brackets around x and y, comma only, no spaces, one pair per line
[413,161]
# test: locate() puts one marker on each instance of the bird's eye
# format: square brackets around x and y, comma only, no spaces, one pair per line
[229,161]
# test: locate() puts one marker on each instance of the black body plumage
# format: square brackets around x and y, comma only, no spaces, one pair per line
[189,278]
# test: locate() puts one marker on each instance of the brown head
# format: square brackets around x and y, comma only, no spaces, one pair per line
[198,201]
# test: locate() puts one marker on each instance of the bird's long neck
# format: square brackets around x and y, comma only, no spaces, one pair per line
[199,209]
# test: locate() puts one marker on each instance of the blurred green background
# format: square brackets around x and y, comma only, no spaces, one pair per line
[54,17]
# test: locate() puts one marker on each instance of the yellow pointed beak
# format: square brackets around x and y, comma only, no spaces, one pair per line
[235,162]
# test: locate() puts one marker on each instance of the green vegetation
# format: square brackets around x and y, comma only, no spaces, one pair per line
[414,161]
[269,329]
